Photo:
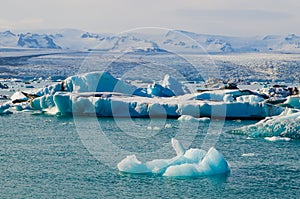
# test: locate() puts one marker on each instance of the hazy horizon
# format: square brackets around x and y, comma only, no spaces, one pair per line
[218,17]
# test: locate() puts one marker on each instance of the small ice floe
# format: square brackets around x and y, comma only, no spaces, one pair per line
[154,128]
[193,119]
[277,138]
[168,126]
[248,154]
[187,163]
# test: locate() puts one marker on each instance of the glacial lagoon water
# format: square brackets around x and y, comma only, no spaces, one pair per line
[48,157]
[44,157]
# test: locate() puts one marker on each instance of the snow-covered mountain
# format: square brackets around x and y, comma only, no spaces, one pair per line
[8,39]
[30,40]
[176,40]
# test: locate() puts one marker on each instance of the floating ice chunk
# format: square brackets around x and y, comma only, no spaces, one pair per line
[155,128]
[190,163]
[285,125]
[277,138]
[248,154]
[187,118]
[193,119]
[167,126]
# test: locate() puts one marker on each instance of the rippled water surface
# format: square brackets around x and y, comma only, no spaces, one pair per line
[43,156]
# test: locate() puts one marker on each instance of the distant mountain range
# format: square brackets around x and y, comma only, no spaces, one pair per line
[173,41]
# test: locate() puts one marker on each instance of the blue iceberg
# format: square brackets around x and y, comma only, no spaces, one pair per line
[187,163]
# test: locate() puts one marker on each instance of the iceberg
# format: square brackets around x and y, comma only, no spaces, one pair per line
[285,125]
[110,104]
[187,163]
[193,119]
[101,94]
[277,138]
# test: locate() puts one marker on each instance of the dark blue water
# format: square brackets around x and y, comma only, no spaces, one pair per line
[44,157]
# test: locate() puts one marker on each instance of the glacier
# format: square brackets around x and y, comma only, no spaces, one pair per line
[187,163]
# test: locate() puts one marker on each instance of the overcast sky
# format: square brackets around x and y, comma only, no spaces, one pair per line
[227,17]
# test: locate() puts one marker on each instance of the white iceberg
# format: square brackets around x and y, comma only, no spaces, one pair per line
[193,119]
[187,163]
[286,125]
[277,138]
